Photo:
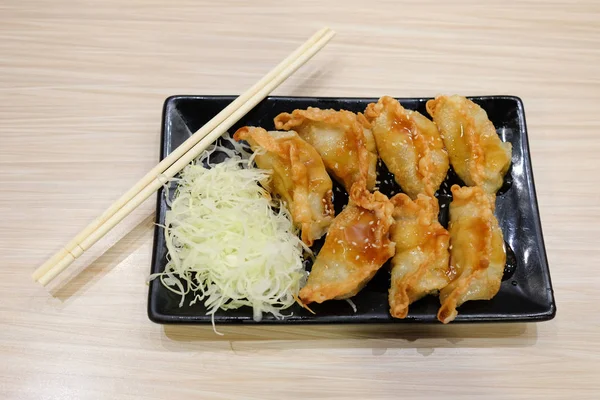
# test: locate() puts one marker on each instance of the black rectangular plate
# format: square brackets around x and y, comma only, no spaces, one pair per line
[526,291]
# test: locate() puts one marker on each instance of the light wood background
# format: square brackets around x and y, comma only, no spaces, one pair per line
[81,89]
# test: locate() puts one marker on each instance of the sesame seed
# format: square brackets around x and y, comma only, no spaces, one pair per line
[371,222]
[357,257]
[354,243]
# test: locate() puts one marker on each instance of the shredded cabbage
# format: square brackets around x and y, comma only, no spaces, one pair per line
[229,243]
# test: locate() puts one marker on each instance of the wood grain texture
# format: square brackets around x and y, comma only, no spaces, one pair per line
[81,89]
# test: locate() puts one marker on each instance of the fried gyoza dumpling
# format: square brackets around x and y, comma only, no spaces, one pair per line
[342,138]
[477,254]
[410,146]
[476,152]
[421,263]
[299,177]
[356,246]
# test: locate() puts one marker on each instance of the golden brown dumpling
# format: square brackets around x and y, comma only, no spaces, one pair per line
[421,263]
[410,146]
[299,177]
[476,152]
[356,246]
[477,254]
[342,138]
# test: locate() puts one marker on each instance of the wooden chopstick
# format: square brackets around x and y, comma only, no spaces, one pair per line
[73,247]
[181,157]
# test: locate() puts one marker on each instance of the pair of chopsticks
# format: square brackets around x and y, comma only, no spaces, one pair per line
[179,158]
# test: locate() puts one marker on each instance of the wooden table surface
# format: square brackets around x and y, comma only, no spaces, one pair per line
[81,89]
